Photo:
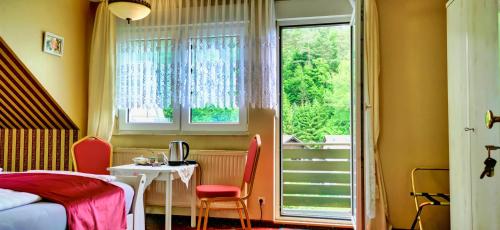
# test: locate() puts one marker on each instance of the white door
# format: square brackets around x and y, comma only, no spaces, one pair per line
[474,88]
[484,83]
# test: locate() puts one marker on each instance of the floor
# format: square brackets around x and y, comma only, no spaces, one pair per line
[156,222]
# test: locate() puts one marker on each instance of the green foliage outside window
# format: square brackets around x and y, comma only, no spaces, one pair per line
[316,82]
[213,114]
[209,114]
[168,112]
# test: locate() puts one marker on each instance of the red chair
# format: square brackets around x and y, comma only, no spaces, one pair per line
[92,155]
[209,194]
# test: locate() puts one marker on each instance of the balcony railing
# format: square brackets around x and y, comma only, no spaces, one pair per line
[317,180]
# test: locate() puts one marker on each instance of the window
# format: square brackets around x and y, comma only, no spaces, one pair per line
[213,93]
[213,59]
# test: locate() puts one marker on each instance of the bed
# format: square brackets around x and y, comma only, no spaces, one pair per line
[45,215]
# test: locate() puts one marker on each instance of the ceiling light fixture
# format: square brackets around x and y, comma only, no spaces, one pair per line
[130,10]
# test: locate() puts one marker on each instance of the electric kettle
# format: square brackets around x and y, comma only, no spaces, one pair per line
[178,154]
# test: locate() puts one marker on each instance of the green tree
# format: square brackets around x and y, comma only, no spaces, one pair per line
[287,114]
[212,113]
[309,124]
[316,82]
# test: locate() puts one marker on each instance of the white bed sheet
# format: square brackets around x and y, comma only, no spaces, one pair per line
[46,215]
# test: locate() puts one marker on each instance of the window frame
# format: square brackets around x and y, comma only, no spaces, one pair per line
[126,126]
[187,125]
[278,215]
[182,115]
[183,126]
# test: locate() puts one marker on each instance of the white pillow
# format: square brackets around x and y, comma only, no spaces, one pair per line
[11,199]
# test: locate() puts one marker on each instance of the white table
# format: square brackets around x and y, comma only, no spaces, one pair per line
[162,173]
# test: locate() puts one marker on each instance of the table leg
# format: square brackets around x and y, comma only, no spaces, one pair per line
[168,202]
[193,199]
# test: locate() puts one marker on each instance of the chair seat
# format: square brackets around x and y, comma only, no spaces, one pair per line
[211,191]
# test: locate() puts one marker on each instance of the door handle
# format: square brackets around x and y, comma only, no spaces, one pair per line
[491,119]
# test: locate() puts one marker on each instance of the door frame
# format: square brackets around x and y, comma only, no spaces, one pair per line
[358,115]
[357,193]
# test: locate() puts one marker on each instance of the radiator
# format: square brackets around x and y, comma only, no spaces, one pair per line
[217,167]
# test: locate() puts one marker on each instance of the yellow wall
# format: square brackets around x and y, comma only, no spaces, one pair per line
[413,100]
[260,122]
[22,23]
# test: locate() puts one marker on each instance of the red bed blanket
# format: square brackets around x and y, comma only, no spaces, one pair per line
[90,203]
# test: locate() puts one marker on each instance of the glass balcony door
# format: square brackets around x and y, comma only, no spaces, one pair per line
[315,119]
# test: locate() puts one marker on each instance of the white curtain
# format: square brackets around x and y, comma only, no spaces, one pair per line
[377,215]
[102,75]
[199,53]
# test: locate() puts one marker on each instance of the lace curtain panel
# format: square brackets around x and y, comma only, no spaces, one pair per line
[198,53]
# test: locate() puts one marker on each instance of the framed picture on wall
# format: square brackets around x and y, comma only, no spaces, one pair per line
[53,44]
